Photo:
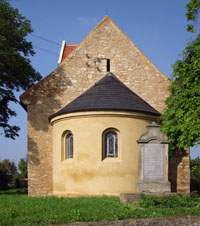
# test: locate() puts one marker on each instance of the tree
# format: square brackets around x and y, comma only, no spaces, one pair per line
[192,14]
[22,166]
[16,72]
[8,171]
[181,118]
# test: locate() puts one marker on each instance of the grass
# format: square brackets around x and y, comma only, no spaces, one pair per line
[16,208]
[14,191]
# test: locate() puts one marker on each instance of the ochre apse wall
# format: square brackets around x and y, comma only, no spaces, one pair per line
[88,173]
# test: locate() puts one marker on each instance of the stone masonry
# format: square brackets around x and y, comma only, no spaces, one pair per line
[159,221]
[80,70]
[179,172]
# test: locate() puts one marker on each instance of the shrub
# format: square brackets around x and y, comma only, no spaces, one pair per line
[176,201]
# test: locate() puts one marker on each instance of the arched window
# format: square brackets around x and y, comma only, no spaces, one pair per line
[110,144]
[69,146]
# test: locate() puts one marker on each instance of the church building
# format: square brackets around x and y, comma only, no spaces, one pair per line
[84,119]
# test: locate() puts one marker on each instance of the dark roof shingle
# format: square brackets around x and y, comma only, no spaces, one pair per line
[109,93]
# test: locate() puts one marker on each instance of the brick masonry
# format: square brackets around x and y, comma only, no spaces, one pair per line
[80,70]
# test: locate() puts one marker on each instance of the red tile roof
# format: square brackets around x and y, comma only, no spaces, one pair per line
[67,50]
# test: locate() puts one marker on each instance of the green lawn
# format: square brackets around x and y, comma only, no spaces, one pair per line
[18,209]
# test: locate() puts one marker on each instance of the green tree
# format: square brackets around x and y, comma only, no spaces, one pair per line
[192,14]
[8,172]
[181,118]
[22,166]
[16,72]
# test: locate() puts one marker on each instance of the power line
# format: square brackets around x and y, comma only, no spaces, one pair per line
[45,50]
[44,39]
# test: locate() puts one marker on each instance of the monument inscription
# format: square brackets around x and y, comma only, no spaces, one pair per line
[153,161]
[153,167]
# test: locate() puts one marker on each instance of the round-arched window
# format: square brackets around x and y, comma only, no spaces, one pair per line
[69,146]
[110,144]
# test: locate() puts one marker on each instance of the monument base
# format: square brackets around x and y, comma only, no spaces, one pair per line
[132,197]
[153,187]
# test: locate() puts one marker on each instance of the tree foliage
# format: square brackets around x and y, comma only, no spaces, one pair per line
[9,175]
[181,119]
[16,72]
[8,171]
[192,14]
[22,166]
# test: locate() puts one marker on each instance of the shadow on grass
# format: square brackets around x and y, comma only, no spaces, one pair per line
[14,191]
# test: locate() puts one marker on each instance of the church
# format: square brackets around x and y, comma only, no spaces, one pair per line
[84,118]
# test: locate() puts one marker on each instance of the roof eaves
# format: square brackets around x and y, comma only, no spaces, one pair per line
[102,109]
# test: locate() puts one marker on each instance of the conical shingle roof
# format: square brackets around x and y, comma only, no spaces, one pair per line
[109,93]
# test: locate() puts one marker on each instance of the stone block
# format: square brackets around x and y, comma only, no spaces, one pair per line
[127,198]
[153,187]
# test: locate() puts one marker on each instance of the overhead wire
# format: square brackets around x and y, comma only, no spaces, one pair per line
[47,40]
[44,39]
[45,50]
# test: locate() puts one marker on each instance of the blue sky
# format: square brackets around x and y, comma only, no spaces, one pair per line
[157,27]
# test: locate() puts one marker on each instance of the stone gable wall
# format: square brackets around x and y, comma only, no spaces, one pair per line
[80,70]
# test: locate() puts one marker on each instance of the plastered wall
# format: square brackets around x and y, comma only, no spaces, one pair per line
[87,173]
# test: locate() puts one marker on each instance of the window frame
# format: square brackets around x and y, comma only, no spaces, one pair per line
[65,145]
[105,153]
[69,146]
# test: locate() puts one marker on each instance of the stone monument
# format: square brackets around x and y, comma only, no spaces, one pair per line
[153,161]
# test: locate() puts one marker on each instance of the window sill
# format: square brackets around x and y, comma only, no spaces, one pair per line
[68,160]
[109,159]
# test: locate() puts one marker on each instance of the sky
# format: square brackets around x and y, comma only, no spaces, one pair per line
[157,27]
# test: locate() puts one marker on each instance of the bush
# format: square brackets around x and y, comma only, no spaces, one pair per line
[176,201]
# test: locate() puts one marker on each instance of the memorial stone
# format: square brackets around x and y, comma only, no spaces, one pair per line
[153,161]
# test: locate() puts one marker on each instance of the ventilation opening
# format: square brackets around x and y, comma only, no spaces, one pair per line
[108,65]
